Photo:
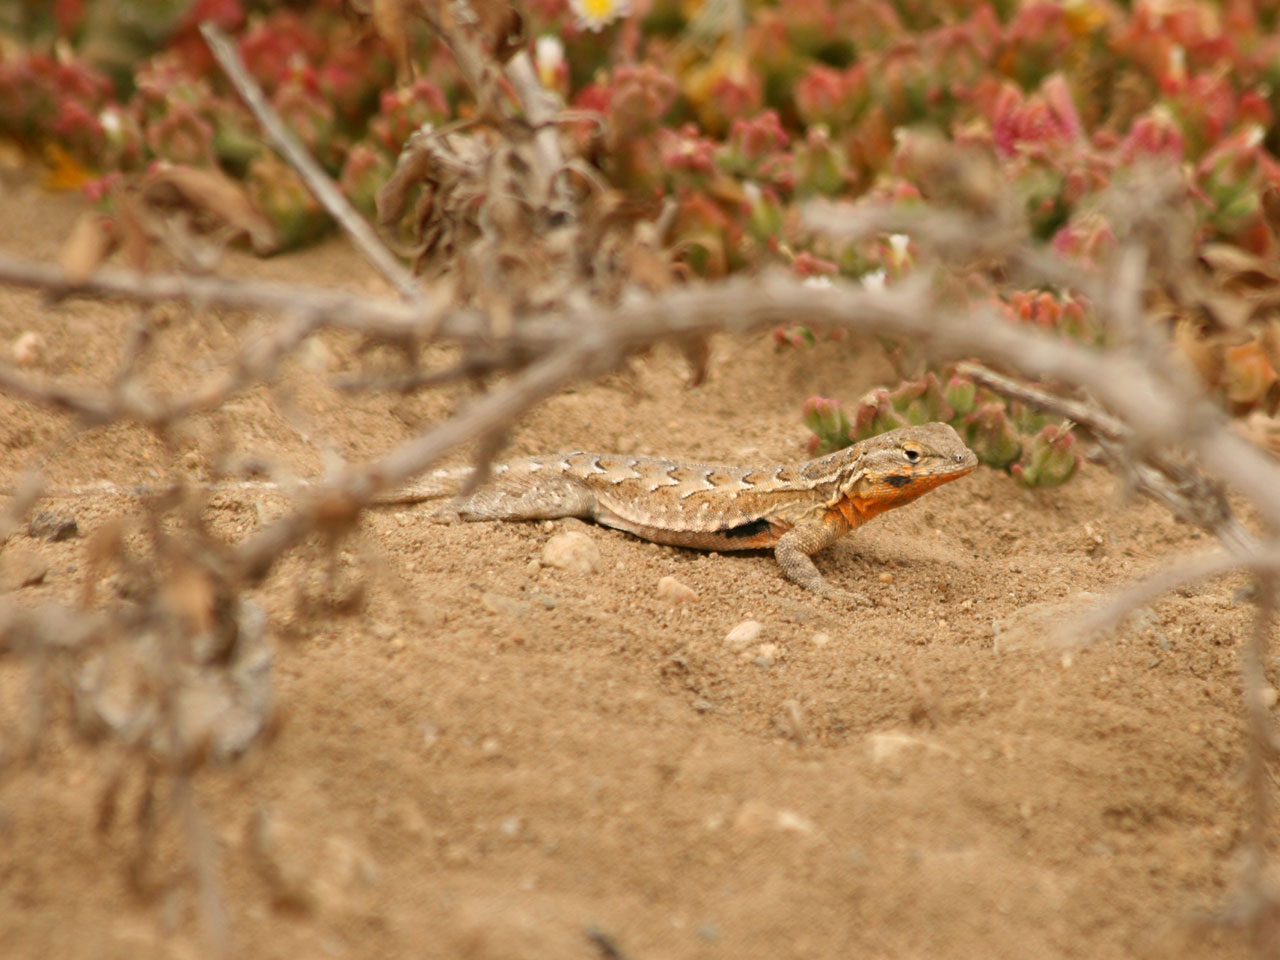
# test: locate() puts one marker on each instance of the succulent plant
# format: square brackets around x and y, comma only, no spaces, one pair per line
[979,106]
[1005,436]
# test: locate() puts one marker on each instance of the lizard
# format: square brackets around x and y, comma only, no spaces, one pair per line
[796,509]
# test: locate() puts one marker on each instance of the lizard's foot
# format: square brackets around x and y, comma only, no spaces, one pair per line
[845,596]
[793,549]
[446,514]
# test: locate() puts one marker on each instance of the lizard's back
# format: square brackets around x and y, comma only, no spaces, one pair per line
[706,505]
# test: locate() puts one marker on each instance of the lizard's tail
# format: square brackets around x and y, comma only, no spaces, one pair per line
[432,486]
[436,485]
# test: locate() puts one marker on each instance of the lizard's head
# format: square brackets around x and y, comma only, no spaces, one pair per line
[898,466]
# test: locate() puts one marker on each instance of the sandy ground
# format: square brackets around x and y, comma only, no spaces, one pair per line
[494,759]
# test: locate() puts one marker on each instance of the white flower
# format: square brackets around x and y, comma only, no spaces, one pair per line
[873,280]
[817,282]
[898,244]
[595,14]
[548,55]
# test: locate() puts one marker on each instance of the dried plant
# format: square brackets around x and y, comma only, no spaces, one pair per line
[540,264]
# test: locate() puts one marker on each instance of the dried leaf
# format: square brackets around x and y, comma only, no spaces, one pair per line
[501,26]
[1260,430]
[649,268]
[1270,339]
[212,191]
[92,239]
[1203,356]
[1249,375]
[1234,266]
[391,22]
[697,353]
[190,593]
[131,221]
[1228,310]
[65,171]
[1271,210]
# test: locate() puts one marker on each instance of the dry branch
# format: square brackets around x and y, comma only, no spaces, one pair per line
[1154,427]
[1157,472]
[1157,408]
[336,503]
[324,189]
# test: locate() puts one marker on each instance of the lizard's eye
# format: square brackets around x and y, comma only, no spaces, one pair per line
[912,454]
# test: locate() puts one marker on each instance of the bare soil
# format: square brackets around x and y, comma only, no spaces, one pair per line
[490,758]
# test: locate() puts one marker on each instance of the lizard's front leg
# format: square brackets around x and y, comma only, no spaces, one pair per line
[794,547]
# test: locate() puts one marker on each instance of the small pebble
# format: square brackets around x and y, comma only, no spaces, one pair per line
[48,525]
[886,577]
[669,588]
[820,639]
[744,633]
[430,735]
[888,744]
[505,606]
[573,552]
[27,348]
[319,357]
[509,826]
[767,654]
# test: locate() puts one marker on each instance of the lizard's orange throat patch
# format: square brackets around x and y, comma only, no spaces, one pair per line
[890,491]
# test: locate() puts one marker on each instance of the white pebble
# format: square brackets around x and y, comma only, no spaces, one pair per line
[572,551]
[27,348]
[319,357]
[745,632]
[669,588]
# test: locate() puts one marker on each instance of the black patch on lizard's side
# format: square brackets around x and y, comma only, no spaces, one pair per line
[898,480]
[752,529]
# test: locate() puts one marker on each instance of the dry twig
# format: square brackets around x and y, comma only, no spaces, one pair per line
[311,172]
[1154,428]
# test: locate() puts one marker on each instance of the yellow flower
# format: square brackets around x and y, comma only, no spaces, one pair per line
[594,14]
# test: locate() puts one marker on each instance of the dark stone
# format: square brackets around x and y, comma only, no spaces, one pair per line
[48,525]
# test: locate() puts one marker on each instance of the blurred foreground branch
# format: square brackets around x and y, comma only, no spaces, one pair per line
[547,279]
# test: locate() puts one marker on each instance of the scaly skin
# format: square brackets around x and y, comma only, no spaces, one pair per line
[798,509]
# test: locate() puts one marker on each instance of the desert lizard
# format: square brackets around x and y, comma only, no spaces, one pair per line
[797,509]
